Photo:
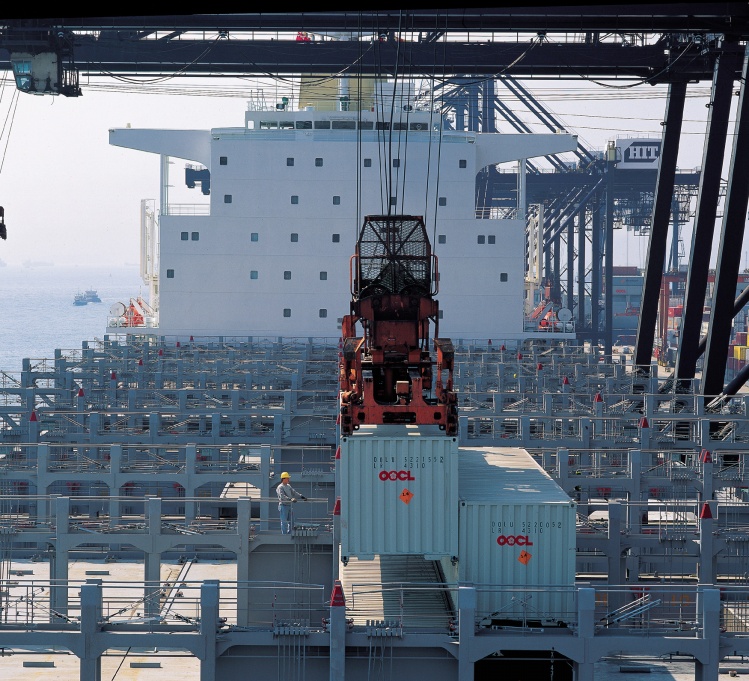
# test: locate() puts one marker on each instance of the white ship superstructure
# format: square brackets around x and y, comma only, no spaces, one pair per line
[288,192]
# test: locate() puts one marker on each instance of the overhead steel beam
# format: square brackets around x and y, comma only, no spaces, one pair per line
[704,223]
[723,17]
[664,191]
[525,59]
[729,253]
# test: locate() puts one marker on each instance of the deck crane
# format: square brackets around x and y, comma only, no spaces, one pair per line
[387,374]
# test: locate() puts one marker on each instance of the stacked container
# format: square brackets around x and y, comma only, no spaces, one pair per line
[516,536]
[399,492]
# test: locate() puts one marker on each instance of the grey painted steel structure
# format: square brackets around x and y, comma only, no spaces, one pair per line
[601,452]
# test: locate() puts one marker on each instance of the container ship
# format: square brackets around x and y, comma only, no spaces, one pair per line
[470,498]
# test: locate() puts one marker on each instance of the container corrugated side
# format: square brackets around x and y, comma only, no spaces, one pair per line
[529,547]
[517,540]
[399,493]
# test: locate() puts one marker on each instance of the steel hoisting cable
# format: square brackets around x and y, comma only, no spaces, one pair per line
[11,114]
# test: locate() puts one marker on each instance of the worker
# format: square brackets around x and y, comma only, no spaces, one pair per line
[287,495]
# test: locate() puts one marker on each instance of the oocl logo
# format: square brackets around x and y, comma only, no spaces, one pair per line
[396,475]
[514,540]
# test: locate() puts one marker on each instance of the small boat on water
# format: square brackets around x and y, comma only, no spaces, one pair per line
[91,296]
[80,299]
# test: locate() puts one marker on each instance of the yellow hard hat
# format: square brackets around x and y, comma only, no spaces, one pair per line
[285,475]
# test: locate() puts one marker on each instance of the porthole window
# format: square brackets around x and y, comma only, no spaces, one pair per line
[227,198]
[183,236]
[170,274]
[287,312]
[287,275]
[294,237]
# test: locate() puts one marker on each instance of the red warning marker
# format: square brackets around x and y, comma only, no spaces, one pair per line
[140,362]
[161,352]
[406,495]
[706,456]
[337,599]
[525,557]
[338,453]
[706,513]
[598,398]
[33,418]
[644,422]
[178,344]
[566,381]
[191,339]
[520,355]
[337,507]
[80,392]
[114,376]
[539,367]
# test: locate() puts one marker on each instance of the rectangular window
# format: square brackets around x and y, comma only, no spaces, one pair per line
[503,276]
[336,200]
[492,239]
[481,239]
[227,198]
[441,314]
[318,163]
[304,125]
[170,274]
[294,237]
[336,238]
[223,160]
[382,125]
[418,126]
[442,201]
[287,312]
[253,274]
[253,236]
[323,276]
[441,239]
[462,163]
[323,313]
[322,125]
[183,236]
[344,125]
[393,200]
[287,275]
[195,236]
[396,163]
[366,125]
[294,200]
[400,126]
[289,161]
[367,162]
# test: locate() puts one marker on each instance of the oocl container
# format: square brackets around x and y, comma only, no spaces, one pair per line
[399,492]
[516,537]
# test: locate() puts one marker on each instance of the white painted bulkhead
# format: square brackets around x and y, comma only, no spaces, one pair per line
[286,205]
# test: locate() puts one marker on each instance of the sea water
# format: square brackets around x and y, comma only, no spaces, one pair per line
[38,315]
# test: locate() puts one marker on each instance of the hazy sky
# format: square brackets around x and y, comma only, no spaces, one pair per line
[73,199]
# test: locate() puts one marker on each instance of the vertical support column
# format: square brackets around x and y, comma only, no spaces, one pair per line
[608,325]
[58,597]
[595,274]
[337,633]
[729,253]
[209,614]
[586,610]
[191,457]
[466,629]
[89,653]
[152,585]
[243,560]
[708,669]
[664,191]
[570,264]
[706,566]
[704,222]
[115,466]
[581,269]
[614,549]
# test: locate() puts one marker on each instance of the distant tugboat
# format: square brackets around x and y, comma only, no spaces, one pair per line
[91,296]
[80,299]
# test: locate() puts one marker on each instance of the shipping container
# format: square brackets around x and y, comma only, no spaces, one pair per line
[399,492]
[741,338]
[516,537]
[739,352]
